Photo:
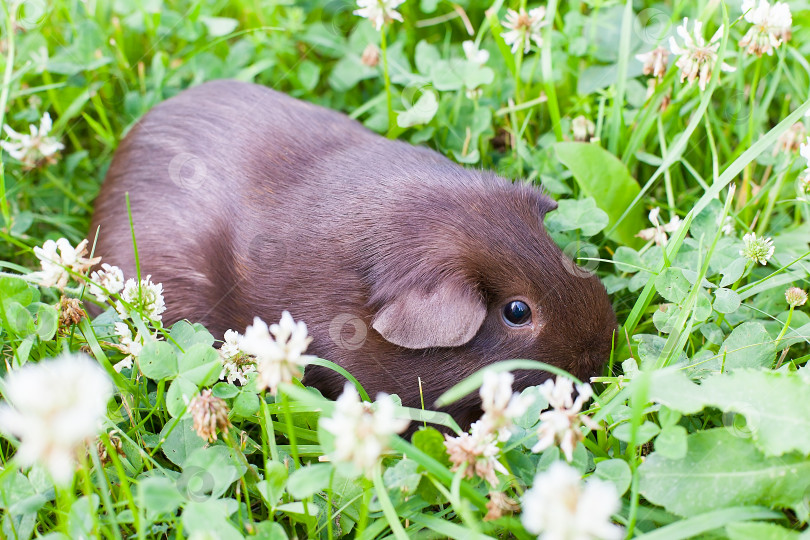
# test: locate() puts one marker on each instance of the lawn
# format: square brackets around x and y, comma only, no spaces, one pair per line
[674,137]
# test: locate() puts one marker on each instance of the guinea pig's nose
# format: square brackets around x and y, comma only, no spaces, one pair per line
[591,363]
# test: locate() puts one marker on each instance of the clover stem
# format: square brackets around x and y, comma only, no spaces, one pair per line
[786,326]
[387,78]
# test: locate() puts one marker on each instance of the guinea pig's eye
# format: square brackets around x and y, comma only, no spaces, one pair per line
[517,313]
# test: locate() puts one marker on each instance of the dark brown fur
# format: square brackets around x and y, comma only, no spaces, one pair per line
[275,204]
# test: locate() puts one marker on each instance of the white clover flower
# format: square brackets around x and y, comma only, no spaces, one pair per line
[235,363]
[370,56]
[559,507]
[474,94]
[230,347]
[804,184]
[57,258]
[523,28]
[53,408]
[655,62]
[476,452]
[582,128]
[499,504]
[727,227]
[770,26]
[237,369]
[561,424]
[70,312]
[804,151]
[109,278]
[145,297]
[795,297]
[130,346]
[697,59]
[500,405]
[34,149]
[474,54]
[758,250]
[379,12]
[659,232]
[791,140]
[209,414]
[280,356]
[362,431]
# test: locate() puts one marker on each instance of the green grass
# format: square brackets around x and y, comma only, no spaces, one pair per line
[706,389]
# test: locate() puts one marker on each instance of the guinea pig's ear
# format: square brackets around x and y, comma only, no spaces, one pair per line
[546,204]
[447,316]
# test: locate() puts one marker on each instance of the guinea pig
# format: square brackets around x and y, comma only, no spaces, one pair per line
[404,265]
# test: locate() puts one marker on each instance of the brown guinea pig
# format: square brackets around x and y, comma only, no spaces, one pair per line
[404,265]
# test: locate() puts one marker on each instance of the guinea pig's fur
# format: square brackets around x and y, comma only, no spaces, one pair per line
[247,202]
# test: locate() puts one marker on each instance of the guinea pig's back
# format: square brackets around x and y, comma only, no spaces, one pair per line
[204,171]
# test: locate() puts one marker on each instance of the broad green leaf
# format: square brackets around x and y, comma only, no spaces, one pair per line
[348,72]
[246,404]
[18,495]
[537,405]
[19,319]
[668,417]
[403,476]
[671,442]
[693,527]
[17,289]
[210,517]
[703,306]
[22,526]
[47,321]
[209,472]
[773,404]
[82,516]
[628,260]
[604,177]
[672,285]
[185,334]
[712,333]
[225,390]
[573,214]
[422,111]
[748,345]
[646,431]
[267,530]
[309,73]
[431,442]
[672,387]
[200,364]
[158,360]
[158,495]
[219,26]
[733,272]
[298,512]
[275,478]
[426,56]
[666,317]
[181,390]
[776,407]
[448,75]
[706,222]
[759,531]
[309,480]
[721,470]
[180,441]
[615,471]
[651,348]
[726,300]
